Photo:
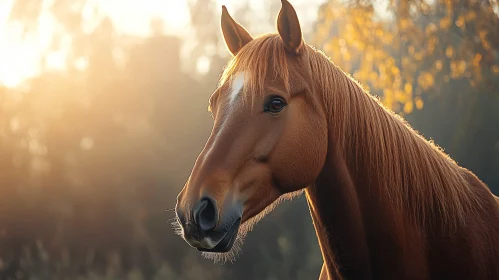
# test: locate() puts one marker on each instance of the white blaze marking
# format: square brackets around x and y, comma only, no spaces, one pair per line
[237,86]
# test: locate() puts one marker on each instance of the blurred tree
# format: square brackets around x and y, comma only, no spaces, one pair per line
[412,47]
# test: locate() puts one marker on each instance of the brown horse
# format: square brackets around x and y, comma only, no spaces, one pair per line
[385,202]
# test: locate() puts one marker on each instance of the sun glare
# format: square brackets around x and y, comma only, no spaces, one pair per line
[15,57]
[174,13]
[22,58]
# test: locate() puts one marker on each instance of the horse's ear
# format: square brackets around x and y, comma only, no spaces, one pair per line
[289,28]
[234,34]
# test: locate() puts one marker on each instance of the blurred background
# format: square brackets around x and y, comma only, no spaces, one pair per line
[103,111]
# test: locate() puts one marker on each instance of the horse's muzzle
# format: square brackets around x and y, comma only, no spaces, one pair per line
[207,230]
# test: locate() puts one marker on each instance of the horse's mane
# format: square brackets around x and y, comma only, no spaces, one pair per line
[413,175]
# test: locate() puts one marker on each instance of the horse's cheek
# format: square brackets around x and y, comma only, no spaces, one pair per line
[301,153]
[314,150]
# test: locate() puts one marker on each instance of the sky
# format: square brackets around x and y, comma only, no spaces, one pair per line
[20,58]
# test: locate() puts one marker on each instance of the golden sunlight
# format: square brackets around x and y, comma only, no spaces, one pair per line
[23,58]
[16,58]
[175,14]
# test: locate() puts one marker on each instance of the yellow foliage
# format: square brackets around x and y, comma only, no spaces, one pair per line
[395,70]
[438,65]
[460,21]
[449,51]
[445,23]
[411,49]
[426,80]
[401,58]
[477,59]
[408,88]
[458,68]
[419,55]
[470,15]
[483,38]
[432,42]
[430,29]
[404,23]
[419,103]
[408,107]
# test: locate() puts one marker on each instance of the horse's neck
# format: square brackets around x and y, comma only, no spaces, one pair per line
[337,217]
[362,231]
[357,232]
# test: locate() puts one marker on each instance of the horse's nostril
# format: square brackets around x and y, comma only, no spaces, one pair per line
[205,214]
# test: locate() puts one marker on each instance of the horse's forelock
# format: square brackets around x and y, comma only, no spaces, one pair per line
[261,59]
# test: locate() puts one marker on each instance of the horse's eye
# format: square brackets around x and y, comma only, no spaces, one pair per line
[275,105]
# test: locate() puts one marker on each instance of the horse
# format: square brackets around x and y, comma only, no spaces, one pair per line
[385,202]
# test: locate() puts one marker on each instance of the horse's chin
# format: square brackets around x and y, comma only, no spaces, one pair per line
[230,253]
[227,241]
[229,248]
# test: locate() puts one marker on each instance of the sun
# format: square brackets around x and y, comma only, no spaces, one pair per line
[15,58]
[20,58]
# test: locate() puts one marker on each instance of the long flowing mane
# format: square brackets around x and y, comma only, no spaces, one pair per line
[410,174]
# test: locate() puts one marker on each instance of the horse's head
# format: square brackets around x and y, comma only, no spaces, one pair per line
[268,137]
